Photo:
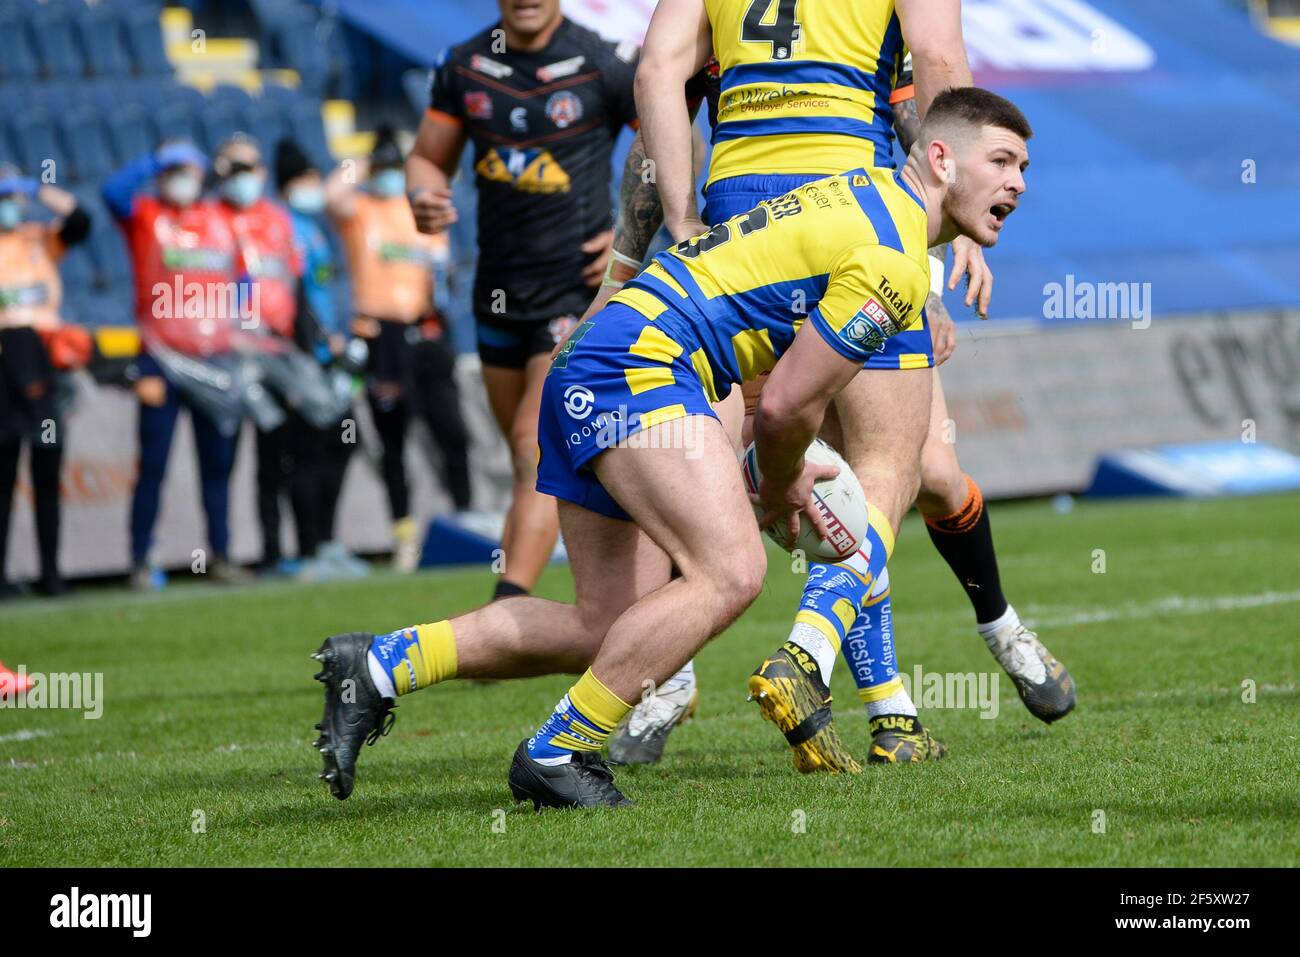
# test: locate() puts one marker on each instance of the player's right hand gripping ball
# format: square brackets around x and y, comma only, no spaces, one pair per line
[840,500]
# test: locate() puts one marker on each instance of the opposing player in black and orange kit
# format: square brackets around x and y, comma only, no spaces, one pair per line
[542,100]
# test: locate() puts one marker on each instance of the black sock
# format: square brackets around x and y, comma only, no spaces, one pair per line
[965,540]
[507,589]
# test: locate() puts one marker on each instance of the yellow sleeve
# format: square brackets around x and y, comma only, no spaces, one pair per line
[873,293]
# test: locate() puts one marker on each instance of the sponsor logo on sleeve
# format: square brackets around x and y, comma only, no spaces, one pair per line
[478,105]
[481,64]
[866,329]
[578,401]
[561,69]
[899,304]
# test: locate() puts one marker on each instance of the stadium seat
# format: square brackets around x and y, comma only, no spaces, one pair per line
[174,122]
[17,59]
[144,41]
[108,251]
[85,145]
[52,97]
[294,45]
[267,124]
[129,134]
[100,30]
[232,97]
[306,127]
[77,270]
[35,144]
[218,123]
[54,39]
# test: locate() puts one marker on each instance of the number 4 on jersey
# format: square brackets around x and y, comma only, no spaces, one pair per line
[783,34]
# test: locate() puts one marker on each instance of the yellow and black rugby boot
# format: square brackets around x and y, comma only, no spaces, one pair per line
[900,739]
[355,712]
[790,693]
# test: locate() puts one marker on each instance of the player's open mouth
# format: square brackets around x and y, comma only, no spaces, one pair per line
[1000,212]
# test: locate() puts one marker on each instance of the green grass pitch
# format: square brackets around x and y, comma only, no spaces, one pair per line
[203,757]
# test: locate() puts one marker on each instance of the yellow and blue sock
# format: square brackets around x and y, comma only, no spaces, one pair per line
[833,598]
[412,658]
[582,721]
[869,650]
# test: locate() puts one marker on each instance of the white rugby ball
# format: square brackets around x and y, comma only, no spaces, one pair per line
[840,501]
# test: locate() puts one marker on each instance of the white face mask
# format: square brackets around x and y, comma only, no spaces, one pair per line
[243,189]
[180,189]
[11,214]
[308,200]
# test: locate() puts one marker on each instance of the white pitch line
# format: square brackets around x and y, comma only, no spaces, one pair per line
[25,735]
[1172,605]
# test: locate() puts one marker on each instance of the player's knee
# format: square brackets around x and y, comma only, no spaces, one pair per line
[943,486]
[739,580]
[523,455]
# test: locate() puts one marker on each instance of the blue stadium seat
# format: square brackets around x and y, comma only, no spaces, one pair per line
[103,40]
[17,59]
[108,251]
[54,39]
[86,145]
[267,124]
[306,126]
[174,122]
[77,270]
[144,41]
[34,141]
[233,97]
[218,123]
[129,134]
[294,45]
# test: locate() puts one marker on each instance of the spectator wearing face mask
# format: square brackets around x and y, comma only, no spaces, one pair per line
[328,450]
[34,345]
[411,362]
[180,243]
[269,269]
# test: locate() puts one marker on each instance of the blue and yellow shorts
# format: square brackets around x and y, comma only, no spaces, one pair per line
[738,194]
[618,374]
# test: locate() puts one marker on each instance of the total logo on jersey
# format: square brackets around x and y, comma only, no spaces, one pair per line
[896,299]
[527,170]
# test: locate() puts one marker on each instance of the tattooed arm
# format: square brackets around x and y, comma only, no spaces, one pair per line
[640,214]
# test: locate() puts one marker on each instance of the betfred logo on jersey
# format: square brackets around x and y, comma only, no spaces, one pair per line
[478,105]
[866,329]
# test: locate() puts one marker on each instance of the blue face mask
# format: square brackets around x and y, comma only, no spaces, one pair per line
[242,189]
[11,214]
[388,182]
[308,200]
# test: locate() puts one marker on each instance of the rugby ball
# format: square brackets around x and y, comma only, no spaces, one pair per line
[840,501]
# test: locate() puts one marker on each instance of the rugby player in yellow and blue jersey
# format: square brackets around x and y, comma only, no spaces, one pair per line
[646,475]
[806,88]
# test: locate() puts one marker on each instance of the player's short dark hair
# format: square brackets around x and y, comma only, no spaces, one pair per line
[973,106]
